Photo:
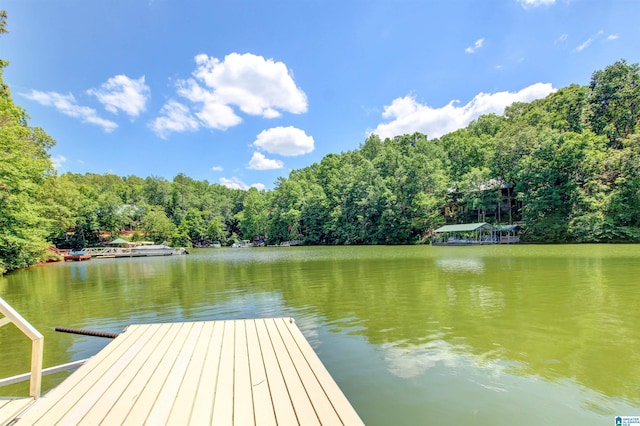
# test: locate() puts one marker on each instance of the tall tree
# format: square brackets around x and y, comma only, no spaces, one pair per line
[614,101]
[25,166]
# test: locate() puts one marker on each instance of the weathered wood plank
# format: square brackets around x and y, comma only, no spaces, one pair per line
[262,404]
[10,408]
[223,402]
[65,396]
[169,391]
[242,392]
[91,394]
[322,406]
[205,395]
[120,384]
[302,405]
[282,405]
[223,372]
[185,399]
[339,401]
[143,373]
[143,405]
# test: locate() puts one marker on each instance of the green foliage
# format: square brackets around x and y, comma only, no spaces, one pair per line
[571,183]
[253,217]
[25,172]
[157,226]
[180,236]
[614,101]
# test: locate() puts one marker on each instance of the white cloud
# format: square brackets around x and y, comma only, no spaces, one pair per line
[67,105]
[612,37]
[260,162]
[212,113]
[535,3]
[175,118]
[287,141]
[409,116]
[256,85]
[588,42]
[235,183]
[217,168]
[250,83]
[562,39]
[58,161]
[123,93]
[477,45]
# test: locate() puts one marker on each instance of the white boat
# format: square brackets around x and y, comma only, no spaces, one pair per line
[156,250]
[243,244]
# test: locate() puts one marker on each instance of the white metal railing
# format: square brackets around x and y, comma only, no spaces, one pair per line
[37,344]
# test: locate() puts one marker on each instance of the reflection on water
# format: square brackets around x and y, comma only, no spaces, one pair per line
[414,360]
[475,266]
[445,334]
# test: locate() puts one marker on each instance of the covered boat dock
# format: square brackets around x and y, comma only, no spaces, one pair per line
[468,234]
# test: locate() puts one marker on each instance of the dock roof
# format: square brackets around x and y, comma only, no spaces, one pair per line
[464,227]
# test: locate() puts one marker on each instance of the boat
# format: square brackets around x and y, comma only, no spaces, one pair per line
[156,250]
[76,255]
[243,244]
[142,250]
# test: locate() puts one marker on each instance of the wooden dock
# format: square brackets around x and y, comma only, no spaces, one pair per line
[242,372]
[11,407]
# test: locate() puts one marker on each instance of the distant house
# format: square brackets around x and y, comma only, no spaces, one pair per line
[495,201]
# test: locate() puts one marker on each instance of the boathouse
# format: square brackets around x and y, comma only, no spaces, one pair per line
[507,234]
[464,234]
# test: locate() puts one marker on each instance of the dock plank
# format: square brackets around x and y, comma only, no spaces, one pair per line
[149,395]
[262,404]
[70,391]
[299,398]
[203,405]
[169,391]
[282,405]
[123,381]
[320,400]
[186,395]
[144,370]
[339,401]
[240,372]
[223,401]
[11,407]
[242,389]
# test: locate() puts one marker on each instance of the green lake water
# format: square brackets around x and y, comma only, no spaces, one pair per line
[414,335]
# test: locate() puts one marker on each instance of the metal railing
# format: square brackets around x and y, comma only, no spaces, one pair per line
[37,344]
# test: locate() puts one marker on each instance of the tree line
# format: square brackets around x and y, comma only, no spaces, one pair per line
[571,161]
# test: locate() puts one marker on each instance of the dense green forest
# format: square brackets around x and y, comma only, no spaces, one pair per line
[565,166]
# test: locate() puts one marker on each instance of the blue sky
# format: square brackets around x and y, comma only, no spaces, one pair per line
[242,92]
